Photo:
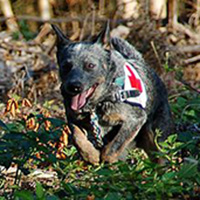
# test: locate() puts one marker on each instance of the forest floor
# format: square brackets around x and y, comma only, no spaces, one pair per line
[36,159]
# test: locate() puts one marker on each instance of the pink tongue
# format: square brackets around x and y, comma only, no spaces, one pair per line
[78,101]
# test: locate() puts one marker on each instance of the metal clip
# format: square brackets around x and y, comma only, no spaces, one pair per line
[125,94]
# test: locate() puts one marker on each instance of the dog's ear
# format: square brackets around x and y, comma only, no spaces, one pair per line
[103,38]
[61,38]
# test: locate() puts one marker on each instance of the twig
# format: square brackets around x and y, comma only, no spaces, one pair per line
[46,29]
[192,60]
[187,31]
[156,53]
[189,86]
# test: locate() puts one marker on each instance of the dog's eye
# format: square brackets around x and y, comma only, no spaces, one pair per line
[90,65]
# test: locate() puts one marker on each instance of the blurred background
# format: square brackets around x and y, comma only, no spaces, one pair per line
[166,32]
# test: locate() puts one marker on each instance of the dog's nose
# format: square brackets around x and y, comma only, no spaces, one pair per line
[75,87]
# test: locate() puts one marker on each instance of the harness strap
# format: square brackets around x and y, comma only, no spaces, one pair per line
[131,87]
[123,95]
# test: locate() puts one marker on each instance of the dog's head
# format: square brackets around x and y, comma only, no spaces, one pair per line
[84,68]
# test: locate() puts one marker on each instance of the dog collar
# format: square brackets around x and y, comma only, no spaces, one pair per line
[132,87]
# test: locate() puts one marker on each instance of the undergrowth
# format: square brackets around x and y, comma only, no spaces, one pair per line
[36,140]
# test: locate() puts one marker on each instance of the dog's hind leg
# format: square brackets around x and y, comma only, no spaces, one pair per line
[146,141]
[162,122]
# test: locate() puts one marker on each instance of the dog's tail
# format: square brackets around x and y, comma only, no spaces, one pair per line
[126,49]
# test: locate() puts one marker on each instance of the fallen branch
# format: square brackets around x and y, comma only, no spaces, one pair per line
[185,49]
[190,87]
[66,19]
[192,60]
[187,31]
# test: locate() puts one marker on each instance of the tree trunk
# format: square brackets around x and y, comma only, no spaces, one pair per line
[172,13]
[45,9]
[158,9]
[8,13]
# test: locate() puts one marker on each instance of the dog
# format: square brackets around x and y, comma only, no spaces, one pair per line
[111,96]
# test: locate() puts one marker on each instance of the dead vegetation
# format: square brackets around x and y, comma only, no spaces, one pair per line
[32,64]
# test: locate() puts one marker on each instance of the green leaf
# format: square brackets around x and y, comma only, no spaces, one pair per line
[52,198]
[172,138]
[181,101]
[188,170]
[15,127]
[69,188]
[105,172]
[3,125]
[191,113]
[164,144]
[39,190]
[168,176]
[14,136]
[113,195]
[56,122]
[24,195]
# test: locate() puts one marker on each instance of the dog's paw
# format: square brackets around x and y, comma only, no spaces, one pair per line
[109,113]
[107,107]
[107,158]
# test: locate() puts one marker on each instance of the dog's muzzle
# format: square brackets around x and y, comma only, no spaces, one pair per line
[79,100]
[74,88]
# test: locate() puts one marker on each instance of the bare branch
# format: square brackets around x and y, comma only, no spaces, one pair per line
[192,60]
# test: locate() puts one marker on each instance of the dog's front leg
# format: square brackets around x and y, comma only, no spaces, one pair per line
[130,120]
[88,152]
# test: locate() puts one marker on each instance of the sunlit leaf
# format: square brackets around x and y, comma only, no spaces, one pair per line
[39,190]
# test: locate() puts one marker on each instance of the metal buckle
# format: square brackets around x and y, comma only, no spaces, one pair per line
[125,94]
[121,95]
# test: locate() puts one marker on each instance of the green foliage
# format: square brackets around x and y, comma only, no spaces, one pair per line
[24,31]
[137,178]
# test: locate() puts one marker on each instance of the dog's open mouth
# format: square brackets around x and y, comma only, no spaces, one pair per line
[79,101]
